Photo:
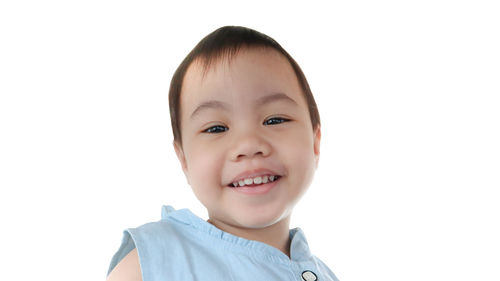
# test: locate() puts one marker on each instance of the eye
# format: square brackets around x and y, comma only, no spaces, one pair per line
[275,120]
[215,129]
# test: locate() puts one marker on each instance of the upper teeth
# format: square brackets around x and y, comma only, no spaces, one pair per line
[256,180]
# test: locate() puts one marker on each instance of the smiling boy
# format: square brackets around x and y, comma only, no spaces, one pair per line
[243,121]
[247,135]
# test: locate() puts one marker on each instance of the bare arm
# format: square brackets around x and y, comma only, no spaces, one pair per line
[128,269]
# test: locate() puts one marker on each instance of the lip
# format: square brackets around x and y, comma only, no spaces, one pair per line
[254,173]
[257,190]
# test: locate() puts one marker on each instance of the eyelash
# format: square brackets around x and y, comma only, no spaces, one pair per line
[211,131]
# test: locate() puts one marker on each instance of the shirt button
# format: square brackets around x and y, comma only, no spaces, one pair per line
[309,276]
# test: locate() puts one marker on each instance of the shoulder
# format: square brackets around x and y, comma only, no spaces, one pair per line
[128,269]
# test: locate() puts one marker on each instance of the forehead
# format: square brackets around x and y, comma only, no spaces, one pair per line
[246,76]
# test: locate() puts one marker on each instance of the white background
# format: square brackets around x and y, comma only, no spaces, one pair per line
[408,91]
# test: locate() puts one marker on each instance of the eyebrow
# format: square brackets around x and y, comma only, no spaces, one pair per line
[215,104]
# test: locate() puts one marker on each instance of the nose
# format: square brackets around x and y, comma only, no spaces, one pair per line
[249,146]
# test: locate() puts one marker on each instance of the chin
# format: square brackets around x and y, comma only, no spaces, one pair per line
[259,219]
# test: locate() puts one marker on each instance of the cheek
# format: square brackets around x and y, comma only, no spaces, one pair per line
[205,166]
[300,154]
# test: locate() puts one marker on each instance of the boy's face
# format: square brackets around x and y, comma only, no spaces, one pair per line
[248,136]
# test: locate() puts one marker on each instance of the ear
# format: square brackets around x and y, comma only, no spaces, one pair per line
[182,158]
[317,140]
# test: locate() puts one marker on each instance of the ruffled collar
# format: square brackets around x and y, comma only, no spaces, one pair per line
[299,248]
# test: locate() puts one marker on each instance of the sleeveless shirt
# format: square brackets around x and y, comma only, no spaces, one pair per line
[182,246]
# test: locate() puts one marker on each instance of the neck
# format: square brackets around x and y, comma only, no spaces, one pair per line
[276,235]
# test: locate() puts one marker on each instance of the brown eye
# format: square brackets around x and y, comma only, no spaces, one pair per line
[215,129]
[275,120]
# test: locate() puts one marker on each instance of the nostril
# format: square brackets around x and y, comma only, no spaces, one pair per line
[248,148]
[255,154]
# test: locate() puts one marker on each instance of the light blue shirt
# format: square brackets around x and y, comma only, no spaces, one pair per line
[182,246]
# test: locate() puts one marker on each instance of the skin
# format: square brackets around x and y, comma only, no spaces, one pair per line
[128,269]
[243,141]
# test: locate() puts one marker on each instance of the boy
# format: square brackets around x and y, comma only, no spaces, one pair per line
[247,134]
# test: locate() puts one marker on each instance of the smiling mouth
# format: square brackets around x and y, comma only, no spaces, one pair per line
[250,182]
